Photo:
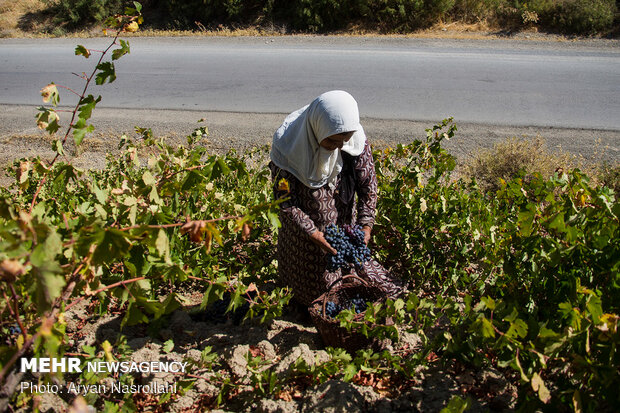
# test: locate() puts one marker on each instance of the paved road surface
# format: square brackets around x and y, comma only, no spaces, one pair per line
[492,82]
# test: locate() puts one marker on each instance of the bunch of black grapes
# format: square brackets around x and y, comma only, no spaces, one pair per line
[216,312]
[348,240]
[358,304]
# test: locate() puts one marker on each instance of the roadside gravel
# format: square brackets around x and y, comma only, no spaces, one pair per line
[19,136]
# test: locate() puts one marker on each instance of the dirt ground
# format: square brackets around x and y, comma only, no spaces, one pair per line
[280,343]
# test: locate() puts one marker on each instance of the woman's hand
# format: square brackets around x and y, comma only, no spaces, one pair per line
[366,230]
[319,239]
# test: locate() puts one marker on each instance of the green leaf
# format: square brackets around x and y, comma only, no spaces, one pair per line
[118,53]
[82,51]
[192,179]
[162,245]
[154,196]
[526,221]
[457,405]
[595,307]
[148,178]
[111,244]
[100,194]
[90,350]
[486,328]
[517,328]
[538,385]
[168,346]
[517,365]
[558,222]
[274,219]
[213,293]
[53,244]
[87,105]
[49,283]
[46,251]
[220,168]
[107,73]
[170,304]
[134,315]
[57,147]
[349,372]
[47,119]
[489,302]
[80,129]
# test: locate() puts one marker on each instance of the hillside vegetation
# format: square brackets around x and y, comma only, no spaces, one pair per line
[569,17]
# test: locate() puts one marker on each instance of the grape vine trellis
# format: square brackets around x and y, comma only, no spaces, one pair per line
[525,280]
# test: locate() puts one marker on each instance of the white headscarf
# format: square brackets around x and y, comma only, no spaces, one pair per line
[296,146]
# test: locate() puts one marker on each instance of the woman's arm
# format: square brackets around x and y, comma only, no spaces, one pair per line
[290,210]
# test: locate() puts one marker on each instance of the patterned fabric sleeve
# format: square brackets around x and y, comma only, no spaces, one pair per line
[366,187]
[289,209]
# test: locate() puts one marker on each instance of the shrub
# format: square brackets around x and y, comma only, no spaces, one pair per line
[408,15]
[585,16]
[315,15]
[506,160]
[79,13]
[472,11]
[610,177]
[186,13]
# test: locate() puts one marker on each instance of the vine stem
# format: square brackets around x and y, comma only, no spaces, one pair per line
[74,112]
[179,224]
[12,311]
[88,80]
[102,289]
[17,317]
[191,168]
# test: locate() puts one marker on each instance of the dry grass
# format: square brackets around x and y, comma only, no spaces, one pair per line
[14,14]
[508,158]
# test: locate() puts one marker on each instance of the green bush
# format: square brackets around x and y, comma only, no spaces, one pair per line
[471,11]
[80,13]
[389,16]
[610,177]
[314,15]
[585,16]
[186,13]
[408,15]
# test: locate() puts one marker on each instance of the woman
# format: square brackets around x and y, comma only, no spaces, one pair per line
[322,153]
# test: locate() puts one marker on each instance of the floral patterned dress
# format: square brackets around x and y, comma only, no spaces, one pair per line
[302,265]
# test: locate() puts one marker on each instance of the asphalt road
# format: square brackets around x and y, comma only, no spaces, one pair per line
[564,92]
[568,85]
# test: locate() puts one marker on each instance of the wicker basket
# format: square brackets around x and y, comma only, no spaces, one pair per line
[331,332]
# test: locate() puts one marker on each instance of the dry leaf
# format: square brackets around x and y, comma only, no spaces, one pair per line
[10,270]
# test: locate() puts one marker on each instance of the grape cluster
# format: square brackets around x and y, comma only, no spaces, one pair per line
[14,329]
[348,241]
[332,309]
[358,304]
